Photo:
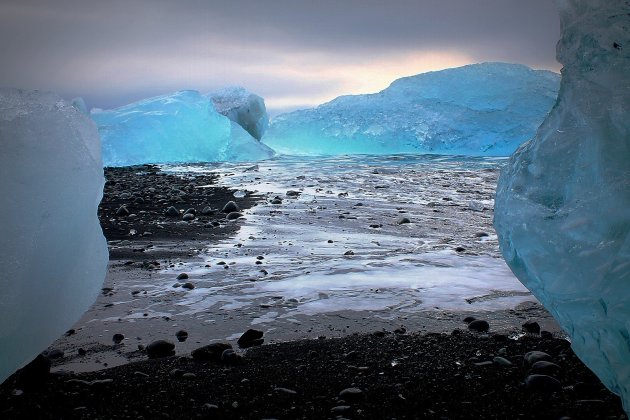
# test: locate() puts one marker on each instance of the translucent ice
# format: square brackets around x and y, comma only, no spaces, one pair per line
[563,202]
[481,109]
[244,108]
[180,127]
[53,255]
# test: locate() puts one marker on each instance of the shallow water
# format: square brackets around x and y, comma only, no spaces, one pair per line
[447,258]
[331,259]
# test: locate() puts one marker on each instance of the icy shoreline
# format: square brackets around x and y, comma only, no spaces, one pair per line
[426,275]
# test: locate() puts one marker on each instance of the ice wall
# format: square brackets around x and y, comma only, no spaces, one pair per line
[481,109]
[244,108]
[563,202]
[53,256]
[179,127]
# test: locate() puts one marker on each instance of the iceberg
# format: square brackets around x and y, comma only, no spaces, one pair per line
[179,127]
[486,109]
[53,255]
[562,208]
[244,108]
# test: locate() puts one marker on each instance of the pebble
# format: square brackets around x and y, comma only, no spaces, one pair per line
[188,217]
[230,357]
[160,348]
[122,211]
[531,327]
[479,325]
[229,207]
[404,221]
[546,335]
[536,356]
[543,384]
[210,352]
[340,409]
[189,375]
[285,391]
[469,319]
[351,394]
[207,210]
[181,335]
[292,193]
[118,338]
[349,252]
[182,276]
[188,285]
[250,338]
[191,211]
[502,361]
[544,367]
[276,201]
[234,215]
[172,211]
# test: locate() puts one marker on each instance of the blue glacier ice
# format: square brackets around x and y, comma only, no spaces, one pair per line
[179,127]
[243,107]
[53,256]
[562,208]
[480,109]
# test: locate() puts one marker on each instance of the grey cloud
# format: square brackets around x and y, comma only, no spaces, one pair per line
[110,51]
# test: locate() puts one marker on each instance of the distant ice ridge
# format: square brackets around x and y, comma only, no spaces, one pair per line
[563,202]
[53,256]
[484,109]
[179,127]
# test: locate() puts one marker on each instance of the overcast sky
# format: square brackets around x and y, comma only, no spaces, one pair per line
[291,52]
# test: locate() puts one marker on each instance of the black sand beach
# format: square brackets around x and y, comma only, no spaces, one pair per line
[376,371]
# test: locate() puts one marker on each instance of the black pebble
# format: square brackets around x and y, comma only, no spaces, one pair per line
[181,335]
[172,212]
[531,327]
[543,384]
[210,352]
[479,325]
[229,207]
[160,348]
[250,338]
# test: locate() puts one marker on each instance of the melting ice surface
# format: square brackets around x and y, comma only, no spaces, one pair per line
[563,202]
[336,205]
[484,109]
[53,255]
[180,127]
